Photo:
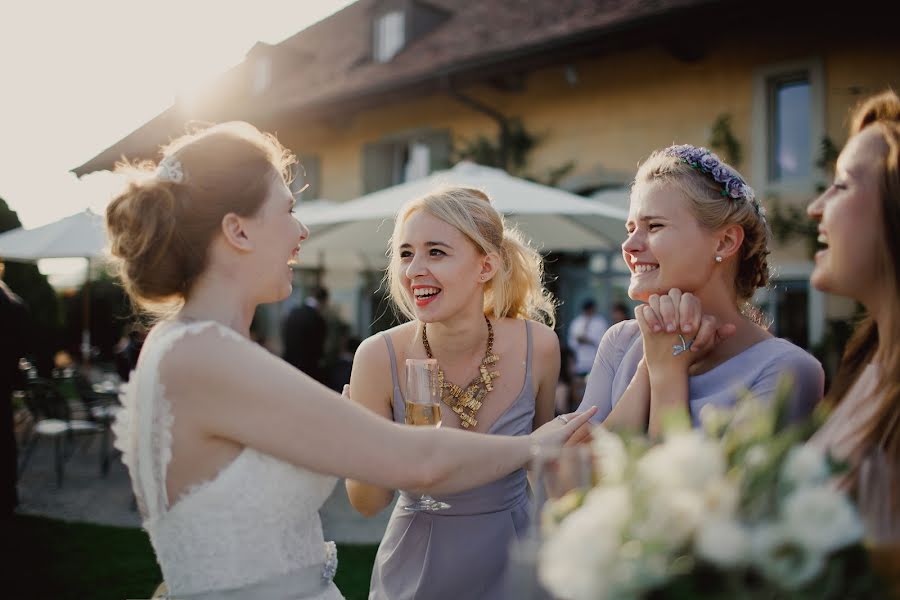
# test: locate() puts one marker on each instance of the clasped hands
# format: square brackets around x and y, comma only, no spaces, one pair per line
[675,331]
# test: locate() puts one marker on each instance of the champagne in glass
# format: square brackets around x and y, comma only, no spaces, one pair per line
[423,414]
[423,407]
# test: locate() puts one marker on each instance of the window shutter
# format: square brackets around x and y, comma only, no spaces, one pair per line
[378,166]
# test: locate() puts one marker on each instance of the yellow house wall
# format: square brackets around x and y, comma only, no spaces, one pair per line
[621,107]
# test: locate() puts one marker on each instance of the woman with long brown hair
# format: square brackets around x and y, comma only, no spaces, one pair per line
[859,229]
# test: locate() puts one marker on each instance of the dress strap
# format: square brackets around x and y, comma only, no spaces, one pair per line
[393,356]
[528,346]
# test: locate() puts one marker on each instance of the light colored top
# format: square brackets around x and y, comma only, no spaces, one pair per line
[757,369]
[878,488]
[256,521]
[591,327]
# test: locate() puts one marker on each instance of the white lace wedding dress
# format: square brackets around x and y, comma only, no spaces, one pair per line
[253,531]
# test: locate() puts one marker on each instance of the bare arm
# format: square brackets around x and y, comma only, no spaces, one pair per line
[632,411]
[371,385]
[546,361]
[260,401]
[661,321]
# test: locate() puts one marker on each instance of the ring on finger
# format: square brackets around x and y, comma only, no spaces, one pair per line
[684,346]
[563,418]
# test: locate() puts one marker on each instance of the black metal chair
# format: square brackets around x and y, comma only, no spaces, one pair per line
[52,419]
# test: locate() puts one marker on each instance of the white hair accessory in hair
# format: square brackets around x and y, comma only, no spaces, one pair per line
[169,169]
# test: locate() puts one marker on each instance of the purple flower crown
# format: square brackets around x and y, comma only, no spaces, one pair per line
[704,161]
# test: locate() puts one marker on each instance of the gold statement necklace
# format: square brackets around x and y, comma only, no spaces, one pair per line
[465,402]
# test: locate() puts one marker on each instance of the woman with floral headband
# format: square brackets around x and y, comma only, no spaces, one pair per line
[472,290]
[859,228]
[696,247]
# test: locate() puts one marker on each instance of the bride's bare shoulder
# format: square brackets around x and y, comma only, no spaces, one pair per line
[190,353]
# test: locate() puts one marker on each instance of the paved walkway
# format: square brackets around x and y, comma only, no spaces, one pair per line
[86,496]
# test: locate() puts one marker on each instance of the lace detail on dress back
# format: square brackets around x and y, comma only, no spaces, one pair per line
[256,519]
[144,429]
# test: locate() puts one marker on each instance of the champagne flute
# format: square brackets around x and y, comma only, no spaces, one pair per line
[423,407]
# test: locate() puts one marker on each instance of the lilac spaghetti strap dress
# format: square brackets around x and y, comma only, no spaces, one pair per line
[460,552]
[757,369]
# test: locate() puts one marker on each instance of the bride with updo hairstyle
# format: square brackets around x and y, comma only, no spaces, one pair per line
[697,250]
[232,451]
[160,224]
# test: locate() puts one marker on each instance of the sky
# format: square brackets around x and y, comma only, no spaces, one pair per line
[76,77]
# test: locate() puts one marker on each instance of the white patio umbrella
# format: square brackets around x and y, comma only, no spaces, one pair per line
[81,235]
[354,235]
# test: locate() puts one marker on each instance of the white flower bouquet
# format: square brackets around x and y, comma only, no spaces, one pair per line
[741,509]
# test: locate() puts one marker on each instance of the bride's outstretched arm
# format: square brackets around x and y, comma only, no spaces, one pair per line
[235,390]
[371,386]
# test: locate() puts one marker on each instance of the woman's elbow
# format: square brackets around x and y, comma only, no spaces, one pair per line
[368,503]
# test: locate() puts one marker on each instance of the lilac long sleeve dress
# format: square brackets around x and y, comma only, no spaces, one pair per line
[758,369]
[461,552]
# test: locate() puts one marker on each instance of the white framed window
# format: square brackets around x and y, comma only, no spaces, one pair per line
[788,126]
[389,35]
[404,157]
[795,309]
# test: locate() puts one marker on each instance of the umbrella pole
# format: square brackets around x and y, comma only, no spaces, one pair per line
[86,318]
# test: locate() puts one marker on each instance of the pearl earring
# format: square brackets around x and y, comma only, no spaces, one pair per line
[718,259]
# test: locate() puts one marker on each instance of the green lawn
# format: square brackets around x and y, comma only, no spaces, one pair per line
[61,561]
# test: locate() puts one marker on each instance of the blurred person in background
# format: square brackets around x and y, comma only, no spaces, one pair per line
[304,334]
[13,341]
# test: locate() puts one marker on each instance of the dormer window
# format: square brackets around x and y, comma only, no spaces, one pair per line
[389,35]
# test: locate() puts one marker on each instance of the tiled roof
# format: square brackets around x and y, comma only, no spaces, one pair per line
[330,62]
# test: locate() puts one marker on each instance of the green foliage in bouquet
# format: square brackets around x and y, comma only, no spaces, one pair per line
[744,508]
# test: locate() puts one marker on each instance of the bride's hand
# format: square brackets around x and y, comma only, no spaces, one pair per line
[568,430]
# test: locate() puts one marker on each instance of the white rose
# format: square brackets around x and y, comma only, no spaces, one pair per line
[723,542]
[805,465]
[578,560]
[782,559]
[822,519]
[721,497]
[611,455]
[756,457]
[671,520]
[684,460]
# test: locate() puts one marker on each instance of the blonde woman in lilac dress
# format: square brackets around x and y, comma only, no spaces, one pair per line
[697,249]
[471,288]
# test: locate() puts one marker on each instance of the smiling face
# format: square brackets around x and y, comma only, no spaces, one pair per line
[276,236]
[849,214]
[439,269]
[666,246]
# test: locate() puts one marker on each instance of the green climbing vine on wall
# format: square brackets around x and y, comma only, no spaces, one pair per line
[515,149]
[790,222]
[723,140]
